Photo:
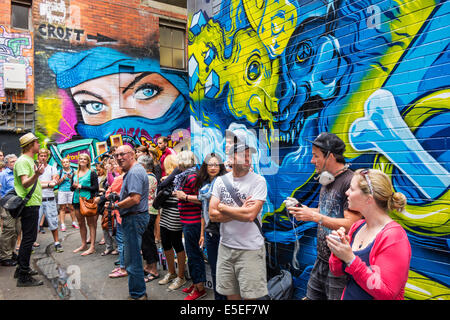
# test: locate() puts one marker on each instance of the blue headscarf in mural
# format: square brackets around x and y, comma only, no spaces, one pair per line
[72,69]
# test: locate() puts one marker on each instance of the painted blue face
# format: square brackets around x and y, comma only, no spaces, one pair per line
[176,117]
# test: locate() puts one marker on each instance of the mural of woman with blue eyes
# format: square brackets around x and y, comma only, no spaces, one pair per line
[114,93]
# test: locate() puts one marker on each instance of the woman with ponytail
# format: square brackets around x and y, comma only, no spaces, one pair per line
[376,253]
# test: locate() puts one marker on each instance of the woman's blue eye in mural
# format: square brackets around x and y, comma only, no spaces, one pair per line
[147,91]
[254,67]
[92,107]
[304,52]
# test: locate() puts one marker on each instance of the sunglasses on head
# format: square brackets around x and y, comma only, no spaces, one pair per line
[365,174]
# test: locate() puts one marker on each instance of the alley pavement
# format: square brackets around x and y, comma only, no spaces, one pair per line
[70,276]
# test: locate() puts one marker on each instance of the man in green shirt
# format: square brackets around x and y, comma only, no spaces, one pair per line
[26,174]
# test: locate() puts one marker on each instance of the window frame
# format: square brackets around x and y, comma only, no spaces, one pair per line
[173,25]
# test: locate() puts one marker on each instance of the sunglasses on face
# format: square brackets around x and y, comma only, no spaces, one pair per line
[365,174]
[117,155]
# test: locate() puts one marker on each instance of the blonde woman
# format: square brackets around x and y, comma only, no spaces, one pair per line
[85,184]
[376,253]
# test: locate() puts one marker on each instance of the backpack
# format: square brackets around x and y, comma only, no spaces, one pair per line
[280,287]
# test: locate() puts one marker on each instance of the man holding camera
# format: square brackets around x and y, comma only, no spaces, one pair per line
[335,178]
[133,209]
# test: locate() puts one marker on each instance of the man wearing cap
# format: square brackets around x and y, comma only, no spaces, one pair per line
[26,174]
[237,200]
[332,213]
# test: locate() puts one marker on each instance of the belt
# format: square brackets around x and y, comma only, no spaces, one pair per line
[48,199]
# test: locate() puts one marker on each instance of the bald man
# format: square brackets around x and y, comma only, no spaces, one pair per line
[133,209]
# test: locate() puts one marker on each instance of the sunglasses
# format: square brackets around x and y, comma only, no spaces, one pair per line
[117,155]
[365,174]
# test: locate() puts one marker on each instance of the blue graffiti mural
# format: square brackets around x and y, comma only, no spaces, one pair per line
[374,74]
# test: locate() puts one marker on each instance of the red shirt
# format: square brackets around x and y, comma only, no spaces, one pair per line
[190,212]
[389,264]
[163,157]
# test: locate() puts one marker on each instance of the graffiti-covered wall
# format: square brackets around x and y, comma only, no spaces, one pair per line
[98,78]
[374,72]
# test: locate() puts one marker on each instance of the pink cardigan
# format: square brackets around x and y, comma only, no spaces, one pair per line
[389,260]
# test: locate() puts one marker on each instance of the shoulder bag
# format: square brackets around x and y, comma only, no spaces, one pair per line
[14,204]
[88,207]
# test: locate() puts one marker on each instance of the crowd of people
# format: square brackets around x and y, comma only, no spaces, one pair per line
[148,197]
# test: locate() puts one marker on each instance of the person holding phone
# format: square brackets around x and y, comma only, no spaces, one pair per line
[376,254]
[65,195]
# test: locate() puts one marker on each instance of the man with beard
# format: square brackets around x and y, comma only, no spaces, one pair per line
[237,200]
[333,213]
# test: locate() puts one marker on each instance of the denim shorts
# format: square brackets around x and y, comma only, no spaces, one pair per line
[51,213]
[323,285]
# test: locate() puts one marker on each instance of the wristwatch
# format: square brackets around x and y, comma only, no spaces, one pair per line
[116,206]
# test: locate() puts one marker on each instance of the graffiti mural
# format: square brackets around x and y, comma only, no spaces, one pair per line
[373,72]
[98,88]
[16,47]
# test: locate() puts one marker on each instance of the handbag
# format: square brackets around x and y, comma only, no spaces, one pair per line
[88,207]
[161,197]
[14,204]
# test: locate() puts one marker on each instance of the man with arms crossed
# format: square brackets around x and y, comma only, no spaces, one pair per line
[241,263]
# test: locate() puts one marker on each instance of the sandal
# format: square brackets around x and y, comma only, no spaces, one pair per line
[118,274]
[106,252]
[151,277]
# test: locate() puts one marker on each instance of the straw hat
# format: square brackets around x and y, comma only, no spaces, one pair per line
[27,139]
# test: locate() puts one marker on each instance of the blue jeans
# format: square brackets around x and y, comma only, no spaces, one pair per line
[119,240]
[212,248]
[133,227]
[196,263]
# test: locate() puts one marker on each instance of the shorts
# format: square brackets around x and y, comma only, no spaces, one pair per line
[51,213]
[171,239]
[324,285]
[241,272]
[65,197]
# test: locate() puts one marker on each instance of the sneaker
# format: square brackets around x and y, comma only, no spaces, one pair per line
[75,225]
[29,281]
[188,290]
[58,248]
[31,272]
[177,283]
[195,295]
[63,227]
[167,278]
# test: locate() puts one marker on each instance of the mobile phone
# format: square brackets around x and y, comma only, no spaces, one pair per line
[292,202]
[335,237]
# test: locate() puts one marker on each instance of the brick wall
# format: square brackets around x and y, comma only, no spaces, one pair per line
[373,72]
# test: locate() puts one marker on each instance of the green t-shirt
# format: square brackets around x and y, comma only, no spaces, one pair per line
[25,166]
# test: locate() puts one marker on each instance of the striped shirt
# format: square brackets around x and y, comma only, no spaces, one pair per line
[170,216]
[190,212]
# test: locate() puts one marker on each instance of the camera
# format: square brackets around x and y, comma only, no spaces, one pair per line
[113,197]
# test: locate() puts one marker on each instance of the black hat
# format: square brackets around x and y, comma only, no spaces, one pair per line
[329,142]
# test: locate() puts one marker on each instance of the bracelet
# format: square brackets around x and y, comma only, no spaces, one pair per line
[350,263]
[186,198]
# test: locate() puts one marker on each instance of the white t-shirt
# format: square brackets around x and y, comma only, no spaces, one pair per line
[237,234]
[48,174]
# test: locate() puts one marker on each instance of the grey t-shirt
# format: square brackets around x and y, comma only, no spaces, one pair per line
[135,181]
[332,203]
